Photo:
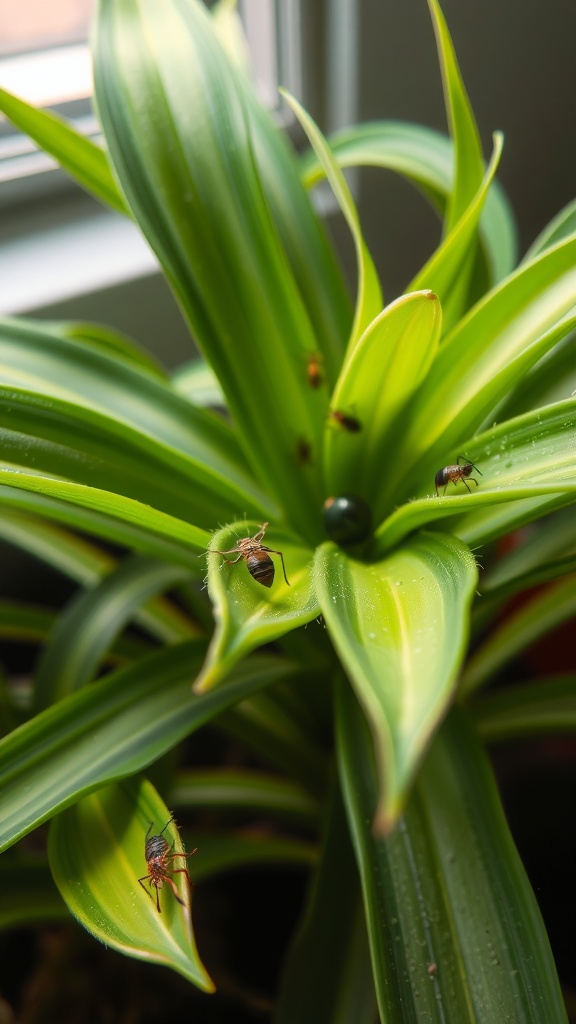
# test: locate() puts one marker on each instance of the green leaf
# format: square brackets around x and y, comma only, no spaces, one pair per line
[25,622]
[562,225]
[96,854]
[445,272]
[499,340]
[229,851]
[532,709]
[426,158]
[124,400]
[112,343]
[536,559]
[81,509]
[92,621]
[69,440]
[386,366]
[469,167]
[87,564]
[191,538]
[247,613]
[369,296]
[550,380]
[109,730]
[454,929]
[266,728]
[327,976]
[198,383]
[244,791]
[81,158]
[544,611]
[400,629]
[178,122]
[29,895]
[521,459]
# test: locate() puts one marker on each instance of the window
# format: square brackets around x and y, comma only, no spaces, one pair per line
[46,221]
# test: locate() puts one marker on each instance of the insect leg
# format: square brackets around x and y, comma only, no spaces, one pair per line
[172,884]
[230,561]
[273,552]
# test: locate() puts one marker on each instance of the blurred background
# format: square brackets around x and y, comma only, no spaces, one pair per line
[61,255]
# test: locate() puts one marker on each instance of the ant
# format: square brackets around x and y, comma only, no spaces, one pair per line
[158,854]
[314,370]
[452,474]
[257,557]
[349,423]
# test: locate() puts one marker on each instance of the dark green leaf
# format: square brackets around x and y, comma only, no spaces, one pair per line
[455,932]
[92,621]
[532,709]
[109,730]
[327,978]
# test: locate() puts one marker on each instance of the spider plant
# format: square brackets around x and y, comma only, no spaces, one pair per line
[316,426]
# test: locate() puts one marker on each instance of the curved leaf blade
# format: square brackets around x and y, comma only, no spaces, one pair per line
[505,334]
[387,364]
[469,166]
[247,613]
[191,538]
[455,931]
[96,851]
[87,564]
[89,517]
[400,628]
[327,975]
[86,162]
[534,709]
[545,611]
[246,791]
[109,730]
[178,122]
[92,621]
[449,269]
[121,397]
[369,296]
[426,158]
[68,440]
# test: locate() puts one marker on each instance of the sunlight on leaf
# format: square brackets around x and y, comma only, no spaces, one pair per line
[369,296]
[400,628]
[96,853]
[386,366]
[247,613]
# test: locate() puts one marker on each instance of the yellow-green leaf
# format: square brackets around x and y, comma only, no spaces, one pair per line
[248,613]
[96,853]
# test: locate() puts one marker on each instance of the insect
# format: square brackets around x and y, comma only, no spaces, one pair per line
[314,370]
[349,423]
[159,861]
[304,451]
[257,557]
[452,474]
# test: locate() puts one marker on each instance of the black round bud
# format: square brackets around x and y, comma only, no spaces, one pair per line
[347,519]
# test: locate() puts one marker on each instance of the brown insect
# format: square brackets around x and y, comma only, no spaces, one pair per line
[257,557]
[304,451]
[314,370]
[349,423]
[452,474]
[159,857]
